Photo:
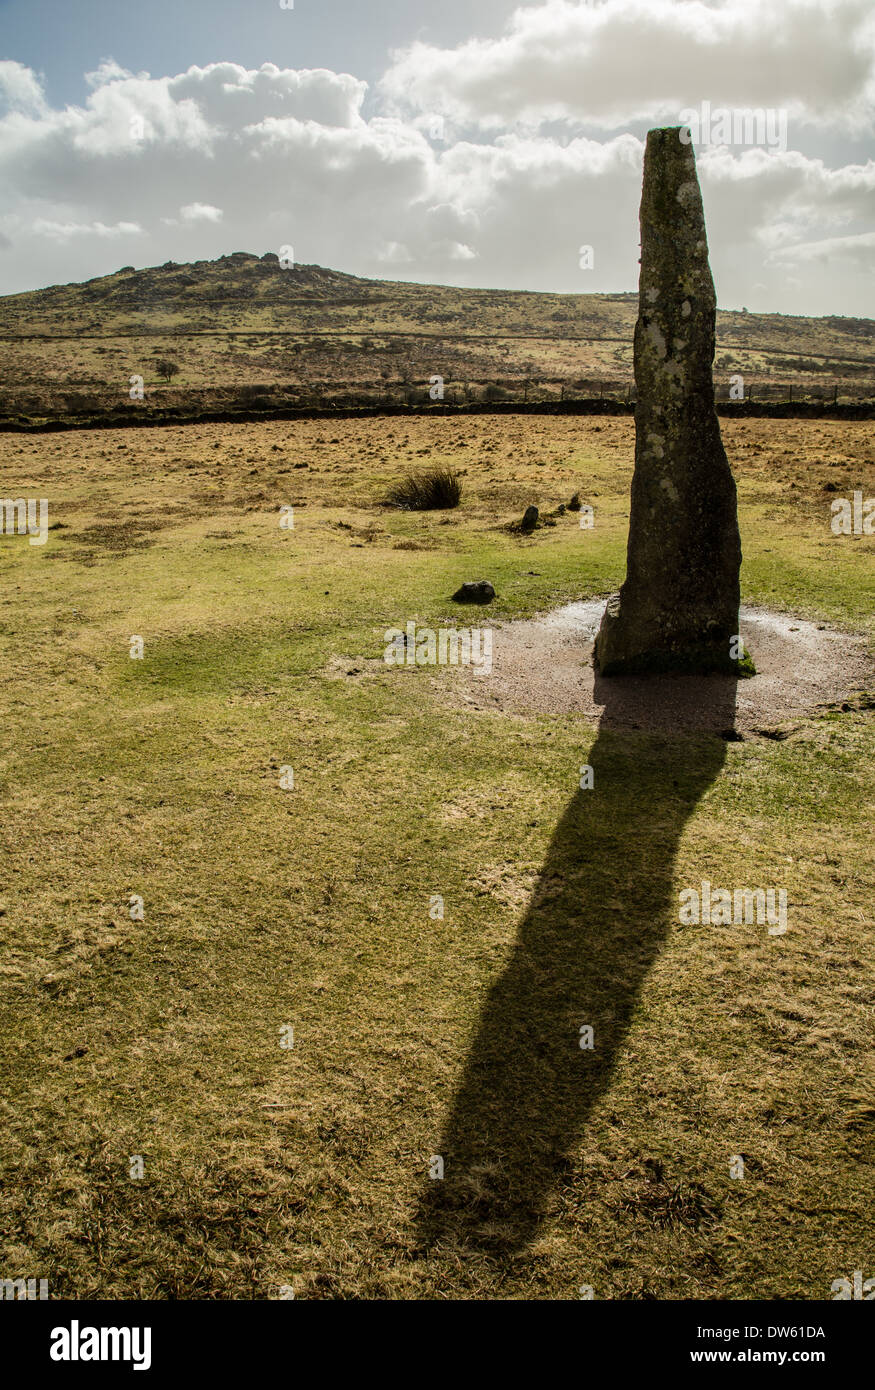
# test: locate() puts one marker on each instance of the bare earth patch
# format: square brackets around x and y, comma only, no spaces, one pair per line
[544,665]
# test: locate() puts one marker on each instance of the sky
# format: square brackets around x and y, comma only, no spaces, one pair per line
[467,142]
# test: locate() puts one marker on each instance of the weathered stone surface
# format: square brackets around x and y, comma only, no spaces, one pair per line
[475,591]
[678,606]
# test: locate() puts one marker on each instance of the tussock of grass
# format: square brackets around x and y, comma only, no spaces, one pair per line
[434,490]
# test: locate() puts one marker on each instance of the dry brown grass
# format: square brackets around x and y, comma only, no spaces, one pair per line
[309,1167]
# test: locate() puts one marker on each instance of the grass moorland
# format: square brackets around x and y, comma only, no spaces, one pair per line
[246,333]
[265,908]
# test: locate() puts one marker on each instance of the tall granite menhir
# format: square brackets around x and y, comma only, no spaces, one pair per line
[678,606]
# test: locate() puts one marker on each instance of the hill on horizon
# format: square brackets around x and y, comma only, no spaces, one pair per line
[245,328]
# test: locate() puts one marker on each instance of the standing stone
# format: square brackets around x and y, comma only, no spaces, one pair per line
[678,606]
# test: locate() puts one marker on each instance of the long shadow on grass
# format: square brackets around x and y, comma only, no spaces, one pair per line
[603,906]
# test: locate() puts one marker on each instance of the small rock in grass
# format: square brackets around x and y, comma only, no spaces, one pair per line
[475,591]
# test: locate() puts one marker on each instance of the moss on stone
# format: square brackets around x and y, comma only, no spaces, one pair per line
[702,659]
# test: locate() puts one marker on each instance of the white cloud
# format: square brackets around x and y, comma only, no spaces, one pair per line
[63,231]
[200,212]
[194,212]
[232,96]
[627,60]
[858,251]
[394,253]
[20,89]
[223,158]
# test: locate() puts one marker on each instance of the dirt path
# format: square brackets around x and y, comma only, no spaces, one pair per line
[544,665]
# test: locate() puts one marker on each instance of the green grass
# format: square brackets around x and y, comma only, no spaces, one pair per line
[413,1036]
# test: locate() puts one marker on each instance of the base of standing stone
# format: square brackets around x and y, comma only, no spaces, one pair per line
[619,652]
